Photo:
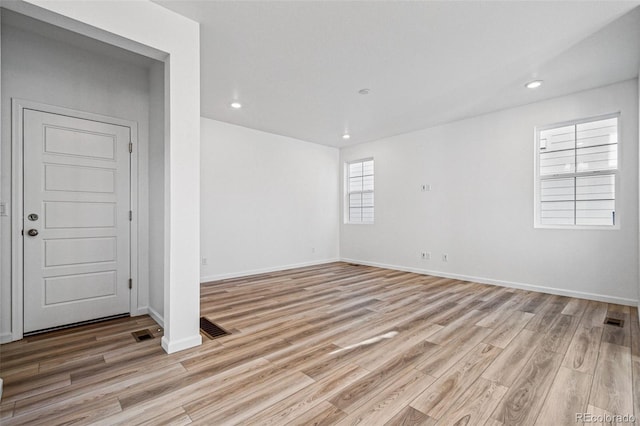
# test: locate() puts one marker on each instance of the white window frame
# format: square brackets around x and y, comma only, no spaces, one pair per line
[537,179]
[347,216]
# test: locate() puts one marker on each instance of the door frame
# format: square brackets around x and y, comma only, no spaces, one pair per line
[17,166]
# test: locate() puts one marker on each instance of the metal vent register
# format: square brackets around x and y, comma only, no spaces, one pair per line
[211,330]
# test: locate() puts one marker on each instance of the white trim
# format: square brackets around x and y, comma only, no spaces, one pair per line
[155,315]
[347,193]
[180,345]
[537,178]
[146,310]
[17,164]
[6,338]
[503,283]
[209,278]
[17,288]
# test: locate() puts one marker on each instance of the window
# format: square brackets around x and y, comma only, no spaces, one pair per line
[360,191]
[577,165]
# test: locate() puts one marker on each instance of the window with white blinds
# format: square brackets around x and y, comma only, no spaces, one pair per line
[577,165]
[360,191]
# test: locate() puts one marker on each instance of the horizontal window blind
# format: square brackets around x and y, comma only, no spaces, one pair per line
[577,166]
[360,191]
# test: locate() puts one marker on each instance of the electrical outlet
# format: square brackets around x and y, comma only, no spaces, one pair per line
[3,209]
[425,255]
[445,257]
[313,249]
[204,261]
[425,187]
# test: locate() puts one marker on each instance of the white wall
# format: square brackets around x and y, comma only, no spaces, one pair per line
[480,209]
[41,69]
[268,202]
[149,29]
[156,193]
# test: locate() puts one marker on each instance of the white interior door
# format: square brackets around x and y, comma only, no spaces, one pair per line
[75,220]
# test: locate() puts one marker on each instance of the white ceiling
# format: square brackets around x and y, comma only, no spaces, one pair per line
[297,66]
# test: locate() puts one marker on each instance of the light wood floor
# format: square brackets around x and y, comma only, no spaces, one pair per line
[340,344]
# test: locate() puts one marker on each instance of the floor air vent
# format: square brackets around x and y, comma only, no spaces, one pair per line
[210,329]
[142,335]
[614,321]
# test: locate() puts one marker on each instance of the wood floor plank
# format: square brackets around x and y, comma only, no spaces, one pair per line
[535,302]
[635,369]
[361,390]
[242,409]
[6,410]
[449,332]
[389,401]
[565,398]
[89,386]
[508,365]
[150,417]
[600,417]
[306,399]
[543,319]
[300,353]
[191,393]
[618,335]
[496,316]
[397,345]
[409,416]
[323,414]
[561,333]
[446,356]
[612,388]
[582,353]
[635,332]
[595,313]
[521,405]
[85,413]
[474,407]
[505,332]
[575,307]
[440,396]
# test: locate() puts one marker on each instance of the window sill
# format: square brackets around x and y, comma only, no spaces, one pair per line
[579,227]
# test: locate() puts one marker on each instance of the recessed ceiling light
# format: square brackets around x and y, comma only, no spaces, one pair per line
[364,91]
[236,105]
[533,84]
[346,136]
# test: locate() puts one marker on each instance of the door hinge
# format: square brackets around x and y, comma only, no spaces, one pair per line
[130,147]
[130,215]
[130,283]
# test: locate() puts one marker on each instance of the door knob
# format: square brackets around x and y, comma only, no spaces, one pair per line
[32,232]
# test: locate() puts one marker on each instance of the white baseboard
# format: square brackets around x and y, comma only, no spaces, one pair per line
[156,316]
[208,278]
[6,338]
[146,310]
[180,345]
[502,283]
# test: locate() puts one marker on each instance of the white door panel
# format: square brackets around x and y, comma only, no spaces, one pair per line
[76,180]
